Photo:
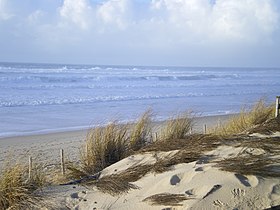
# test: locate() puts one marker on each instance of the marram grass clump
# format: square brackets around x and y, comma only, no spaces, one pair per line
[166,199]
[177,127]
[246,119]
[140,134]
[107,145]
[17,191]
[103,147]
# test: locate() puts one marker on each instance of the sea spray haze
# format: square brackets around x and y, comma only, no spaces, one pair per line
[49,97]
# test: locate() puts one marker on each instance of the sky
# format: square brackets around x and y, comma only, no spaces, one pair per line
[228,33]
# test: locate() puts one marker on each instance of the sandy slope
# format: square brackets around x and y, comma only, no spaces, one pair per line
[202,184]
[205,187]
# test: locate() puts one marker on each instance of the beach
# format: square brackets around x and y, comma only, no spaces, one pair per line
[154,105]
[46,147]
[48,109]
[200,171]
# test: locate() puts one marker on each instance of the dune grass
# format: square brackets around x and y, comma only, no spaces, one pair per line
[246,119]
[259,156]
[268,127]
[270,145]
[166,199]
[117,184]
[140,134]
[16,191]
[178,127]
[103,147]
[195,142]
[258,165]
[107,145]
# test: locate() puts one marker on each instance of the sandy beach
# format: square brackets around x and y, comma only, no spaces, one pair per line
[46,147]
[198,179]
[142,105]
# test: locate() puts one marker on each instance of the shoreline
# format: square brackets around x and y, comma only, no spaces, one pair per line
[47,146]
[44,132]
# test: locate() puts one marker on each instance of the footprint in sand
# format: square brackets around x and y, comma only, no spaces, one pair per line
[213,189]
[199,169]
[276,189]
[237,192]
[275,192]
[250,181]
[218,203]
[74,195]
[243,179]
[190,192]
[175,179]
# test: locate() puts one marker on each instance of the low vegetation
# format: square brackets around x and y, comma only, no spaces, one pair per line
[17,191]
[246,119]
[122,182]
[260,156]
[140,134]
[166,199]
[103,147]
[268,127]
[109,144]
[177,127]
[116,184]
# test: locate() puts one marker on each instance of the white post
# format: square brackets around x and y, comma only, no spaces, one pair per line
[219,123]
[156,136]
[277,106]
[30,168]
[62,162]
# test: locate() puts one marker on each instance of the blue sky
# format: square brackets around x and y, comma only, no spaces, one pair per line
[142,32]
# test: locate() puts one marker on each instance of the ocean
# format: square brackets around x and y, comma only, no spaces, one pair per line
[42,98]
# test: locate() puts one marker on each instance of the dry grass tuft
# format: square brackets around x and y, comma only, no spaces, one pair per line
[141,132]
[182,156]
[267,127]
[136,172]
[16,191]
[107,145]
[166,199]
[74,171]
[116,184]
[177,127]
[247,119]
[270,145]
[196,143]
[258,165]
[103,147]
[259,157]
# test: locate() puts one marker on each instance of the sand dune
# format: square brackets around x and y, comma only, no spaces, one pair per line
[202,186]
[199,184]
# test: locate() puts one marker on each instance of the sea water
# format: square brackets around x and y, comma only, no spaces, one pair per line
[40,98]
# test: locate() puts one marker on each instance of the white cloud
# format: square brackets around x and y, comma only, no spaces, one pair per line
[34,17]
[169,31]
[4,13]
[248,20]
[244,19]
[76,11]
[114,12]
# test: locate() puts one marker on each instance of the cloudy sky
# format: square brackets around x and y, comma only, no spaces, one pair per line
[142,32]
